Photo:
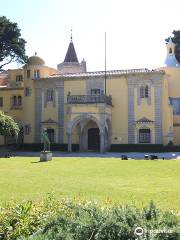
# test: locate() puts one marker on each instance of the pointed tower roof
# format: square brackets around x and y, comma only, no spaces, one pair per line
[71,55]
[171,60]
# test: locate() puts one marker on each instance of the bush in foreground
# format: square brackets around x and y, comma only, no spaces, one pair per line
[75,220]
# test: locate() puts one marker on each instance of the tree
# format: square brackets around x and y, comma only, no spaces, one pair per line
[176,40]
[12,46]
[8,127]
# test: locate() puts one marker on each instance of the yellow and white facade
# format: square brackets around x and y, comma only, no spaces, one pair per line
[78,107]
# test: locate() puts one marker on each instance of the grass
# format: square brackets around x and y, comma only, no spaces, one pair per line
[132,181]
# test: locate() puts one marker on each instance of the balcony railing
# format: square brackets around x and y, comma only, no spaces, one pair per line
[89,99]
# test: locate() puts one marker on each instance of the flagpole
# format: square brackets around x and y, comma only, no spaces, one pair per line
[105,67]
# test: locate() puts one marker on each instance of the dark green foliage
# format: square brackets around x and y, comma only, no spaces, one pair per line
[143,148]
[82,220]
[8,127]
[54,147]
[176,40]
[89,221]
[12,46]
[114,147]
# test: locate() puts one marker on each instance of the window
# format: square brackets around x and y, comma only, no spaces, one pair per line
[50,133]
[36,74]
[27,91]
[95,91]
[27,129]
[141,92]
[14,101]
[144,91]
[1,101]
[50,95]
[19,78]
[170,50]
[28,73]
[176,105]
[144,136]
[19,102]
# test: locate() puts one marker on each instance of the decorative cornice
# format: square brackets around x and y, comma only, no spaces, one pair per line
[49,121]
[144,120]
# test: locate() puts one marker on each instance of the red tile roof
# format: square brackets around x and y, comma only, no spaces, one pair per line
[3,79]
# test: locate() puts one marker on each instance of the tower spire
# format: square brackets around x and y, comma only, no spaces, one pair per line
[71,53]
[71,35]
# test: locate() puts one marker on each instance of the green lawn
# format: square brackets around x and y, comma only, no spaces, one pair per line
[134,181]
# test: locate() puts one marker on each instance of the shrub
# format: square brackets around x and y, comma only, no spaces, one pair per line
[90,221]
[80,220]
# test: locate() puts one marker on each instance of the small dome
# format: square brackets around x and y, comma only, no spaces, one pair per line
[35,60]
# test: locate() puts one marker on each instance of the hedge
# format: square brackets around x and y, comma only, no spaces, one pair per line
[114,147]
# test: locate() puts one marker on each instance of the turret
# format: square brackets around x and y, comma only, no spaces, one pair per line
[171,60]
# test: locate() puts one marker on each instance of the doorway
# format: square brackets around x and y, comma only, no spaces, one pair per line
[51,135]
[93,139]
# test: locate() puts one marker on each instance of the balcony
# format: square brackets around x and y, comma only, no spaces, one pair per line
[89,99]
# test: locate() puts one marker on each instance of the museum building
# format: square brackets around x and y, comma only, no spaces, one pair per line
[93,109]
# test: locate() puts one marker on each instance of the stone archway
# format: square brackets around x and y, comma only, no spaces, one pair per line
[84,125]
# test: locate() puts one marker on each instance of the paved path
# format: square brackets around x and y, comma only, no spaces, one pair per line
[133,155]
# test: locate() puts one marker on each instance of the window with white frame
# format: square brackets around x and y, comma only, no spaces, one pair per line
[144,135]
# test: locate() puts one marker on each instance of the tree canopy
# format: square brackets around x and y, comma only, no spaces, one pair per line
[176,40]
[8,127]
[12,46]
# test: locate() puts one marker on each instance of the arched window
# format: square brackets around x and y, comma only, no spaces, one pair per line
[14,100]
[50,95]
[144,91]
[36,73]
[170,50]
[144,135]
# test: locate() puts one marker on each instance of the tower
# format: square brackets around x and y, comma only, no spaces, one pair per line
[171,60]
[71,63]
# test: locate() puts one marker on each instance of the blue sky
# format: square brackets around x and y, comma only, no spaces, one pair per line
[135,29]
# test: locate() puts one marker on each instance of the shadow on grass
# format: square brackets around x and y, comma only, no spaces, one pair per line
[40,162]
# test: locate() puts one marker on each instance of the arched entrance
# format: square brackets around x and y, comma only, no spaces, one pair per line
[88,132]
[89,135]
